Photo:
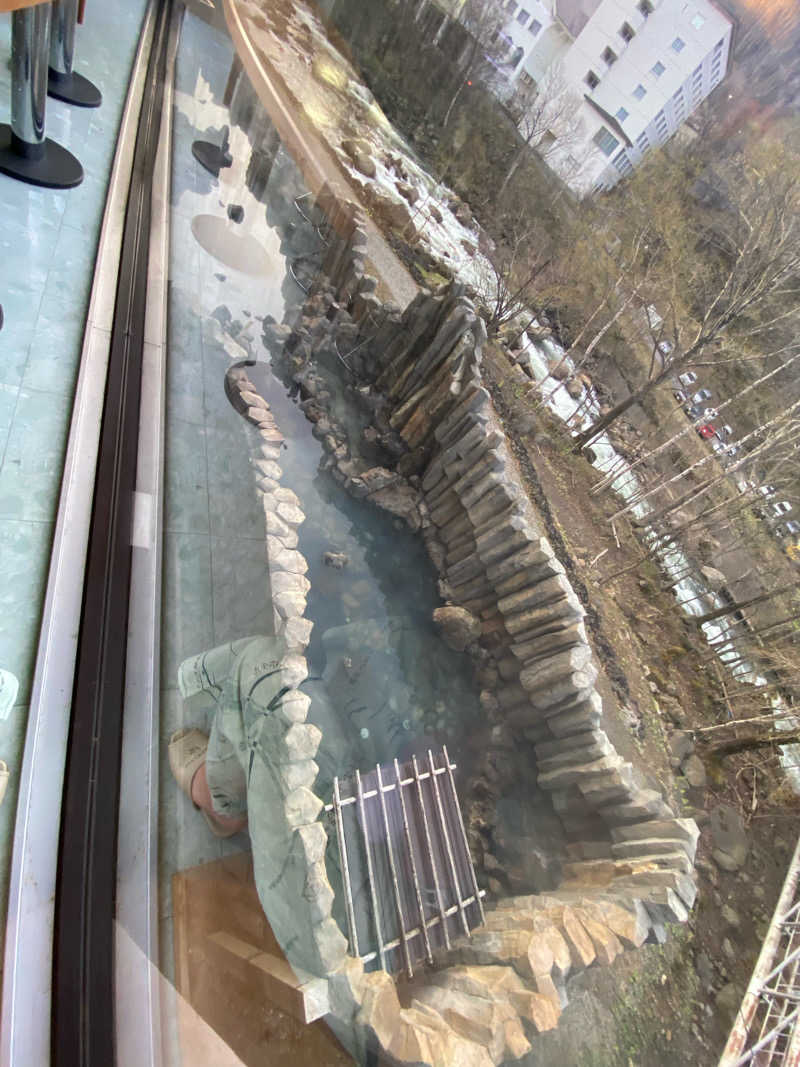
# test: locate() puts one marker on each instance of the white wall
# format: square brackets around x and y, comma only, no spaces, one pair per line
[689,76]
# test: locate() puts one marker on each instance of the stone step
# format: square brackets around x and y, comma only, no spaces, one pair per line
[609,789]
[652,847]
[578,719]
[548,749]
[538,593]
[567,774]
[586,754]
[643,805]
[677,829]
[547,644]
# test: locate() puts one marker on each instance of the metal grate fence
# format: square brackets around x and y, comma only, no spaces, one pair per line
[408,879]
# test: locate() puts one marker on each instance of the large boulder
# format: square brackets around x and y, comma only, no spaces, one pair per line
[366,164]
[458,627]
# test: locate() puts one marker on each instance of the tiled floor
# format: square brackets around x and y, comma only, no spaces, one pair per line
[48,240]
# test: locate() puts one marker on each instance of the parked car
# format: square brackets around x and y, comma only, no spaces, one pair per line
[701,396]
[766,490]
[724,432]
[707,431]
[790,528]
[665,347]
[710,413]
[781,507]
[694,411]
[687,378]
[679,395]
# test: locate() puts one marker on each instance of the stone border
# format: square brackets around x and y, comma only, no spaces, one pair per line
[296,741]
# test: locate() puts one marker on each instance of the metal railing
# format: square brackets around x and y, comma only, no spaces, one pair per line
[766,1031]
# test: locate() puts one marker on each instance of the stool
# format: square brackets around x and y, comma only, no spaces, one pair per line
[63,82]
[25,152]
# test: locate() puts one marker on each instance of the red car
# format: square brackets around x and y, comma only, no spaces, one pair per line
[707,431]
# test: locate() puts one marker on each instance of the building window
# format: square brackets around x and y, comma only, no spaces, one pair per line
[605,141]
[526,81]
[645,7]
[678,44]
[609,56]
[535,26]
[677,97]
[719,44]
[622,114]
[511,6]
[658,69]
[639,92]
[626,32]
[523,16]
[592,80]
[642,142]
[698,21]
[698,74]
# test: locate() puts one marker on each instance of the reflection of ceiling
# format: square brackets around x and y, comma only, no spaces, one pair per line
[576,13]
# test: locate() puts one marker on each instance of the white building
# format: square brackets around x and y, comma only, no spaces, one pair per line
[636,69]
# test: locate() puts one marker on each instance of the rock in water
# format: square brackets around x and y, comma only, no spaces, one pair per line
[458,627]
[337,560]
[714,579]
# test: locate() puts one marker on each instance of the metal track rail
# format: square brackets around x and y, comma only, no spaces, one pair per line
[83,980]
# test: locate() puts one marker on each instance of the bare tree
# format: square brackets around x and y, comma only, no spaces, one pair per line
[483,20]
[547,115]
[511,279]
[728,269]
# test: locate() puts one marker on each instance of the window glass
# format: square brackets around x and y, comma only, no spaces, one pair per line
[609,56]
[658,69]
[626,32]
[639,92]
[523,16]
[605,141]
[678,44]
[698,21]
[592,80]
[535,26]
[622,114]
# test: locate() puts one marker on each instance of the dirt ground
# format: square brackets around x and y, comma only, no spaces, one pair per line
[655,1007]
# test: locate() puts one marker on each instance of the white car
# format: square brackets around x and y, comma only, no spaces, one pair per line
[781,507]
[687,378]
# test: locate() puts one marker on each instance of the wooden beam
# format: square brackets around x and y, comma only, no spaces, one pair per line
[301,995]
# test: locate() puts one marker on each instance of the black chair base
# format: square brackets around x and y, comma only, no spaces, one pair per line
[73,89]
[211,157]
[54,168]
